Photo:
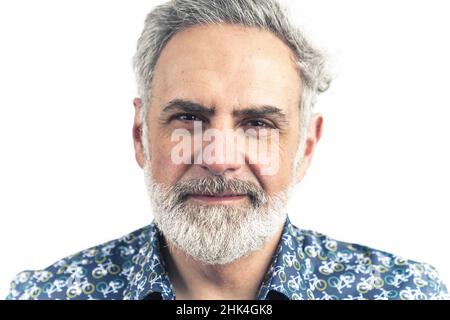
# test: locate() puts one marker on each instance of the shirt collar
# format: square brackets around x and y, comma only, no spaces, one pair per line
[149,274]
[283,280]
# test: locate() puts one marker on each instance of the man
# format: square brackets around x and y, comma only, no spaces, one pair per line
[223,130]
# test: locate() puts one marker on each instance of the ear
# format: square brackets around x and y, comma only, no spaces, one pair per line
[314,134]
[137,132]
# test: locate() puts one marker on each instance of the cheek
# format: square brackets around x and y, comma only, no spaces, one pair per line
[277,183]
[163,168]
[277,177]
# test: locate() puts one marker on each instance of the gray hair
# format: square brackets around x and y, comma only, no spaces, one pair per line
[167,19]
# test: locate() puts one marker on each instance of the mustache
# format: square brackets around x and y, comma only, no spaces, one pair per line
[217,185]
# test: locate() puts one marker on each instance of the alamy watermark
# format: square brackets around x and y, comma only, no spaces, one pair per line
[213,146]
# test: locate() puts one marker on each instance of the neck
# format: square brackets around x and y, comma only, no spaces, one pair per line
[241,279]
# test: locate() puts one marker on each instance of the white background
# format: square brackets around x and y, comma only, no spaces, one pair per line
[68,178]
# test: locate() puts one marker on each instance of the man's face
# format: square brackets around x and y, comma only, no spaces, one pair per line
[230,79]
[229,68]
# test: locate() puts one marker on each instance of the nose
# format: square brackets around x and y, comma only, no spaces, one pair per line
[223,153]
[219,169]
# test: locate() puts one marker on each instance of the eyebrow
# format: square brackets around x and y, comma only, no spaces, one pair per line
[182,105]
[187,106]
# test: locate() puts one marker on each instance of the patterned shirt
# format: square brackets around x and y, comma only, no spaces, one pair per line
[306,265]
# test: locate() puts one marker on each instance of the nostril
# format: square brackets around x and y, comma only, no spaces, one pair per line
[220,169]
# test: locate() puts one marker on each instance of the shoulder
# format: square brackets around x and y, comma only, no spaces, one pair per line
[357,271]
[100,272]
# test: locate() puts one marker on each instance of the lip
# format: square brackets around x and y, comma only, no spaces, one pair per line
[218,198]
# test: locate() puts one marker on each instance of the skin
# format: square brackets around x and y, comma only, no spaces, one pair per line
[229,68]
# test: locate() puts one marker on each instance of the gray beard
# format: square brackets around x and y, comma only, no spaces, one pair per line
[215,234]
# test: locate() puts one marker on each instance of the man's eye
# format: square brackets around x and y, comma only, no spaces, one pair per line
[259,124]
[186,117]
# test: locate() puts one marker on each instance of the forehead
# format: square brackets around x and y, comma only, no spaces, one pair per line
[227,65]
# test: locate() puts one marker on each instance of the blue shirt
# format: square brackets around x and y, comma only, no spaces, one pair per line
[306,265]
